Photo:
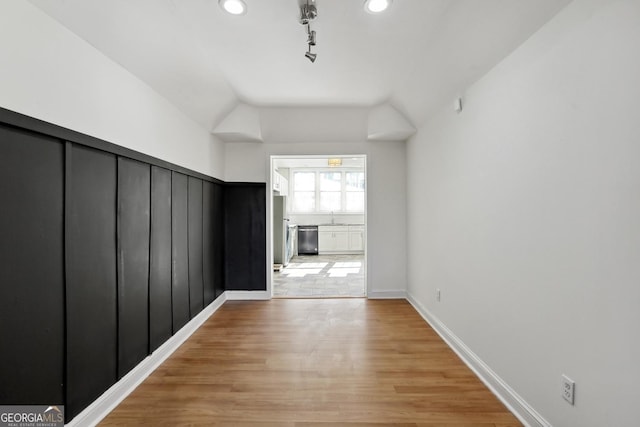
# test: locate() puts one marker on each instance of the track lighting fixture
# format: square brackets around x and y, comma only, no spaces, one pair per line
[309,12]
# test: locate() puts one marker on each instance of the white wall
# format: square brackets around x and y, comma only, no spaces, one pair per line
[386,199]
[49,73]
[525,211]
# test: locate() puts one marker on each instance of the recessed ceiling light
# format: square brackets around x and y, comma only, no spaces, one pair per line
[376,6]
[234,7]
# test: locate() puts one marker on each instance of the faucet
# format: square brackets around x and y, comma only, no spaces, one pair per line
[333,221]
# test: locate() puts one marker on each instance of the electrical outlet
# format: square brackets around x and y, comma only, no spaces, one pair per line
[438,295]
[568,389]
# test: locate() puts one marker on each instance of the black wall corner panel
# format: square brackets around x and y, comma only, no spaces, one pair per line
[245,237]
[179,250]
[218,239]
[91,291]
[160,315]
[134,186]
[207,243]
[195,246]
[31,270]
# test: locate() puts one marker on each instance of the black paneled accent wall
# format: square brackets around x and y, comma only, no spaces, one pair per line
[32,270]
[218,244]
[134,181]
[91,275]
[208,266]
[105,253]
[195,247]
[180,246]
[245,237]
[160,314]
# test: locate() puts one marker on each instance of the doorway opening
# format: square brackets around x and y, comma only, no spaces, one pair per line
[318,226]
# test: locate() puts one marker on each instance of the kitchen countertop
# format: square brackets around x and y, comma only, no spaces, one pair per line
[341,224]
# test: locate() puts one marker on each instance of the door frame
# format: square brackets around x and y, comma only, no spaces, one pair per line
[269,201]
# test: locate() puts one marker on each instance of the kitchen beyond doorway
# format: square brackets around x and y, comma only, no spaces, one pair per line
[321,276]
[328,195]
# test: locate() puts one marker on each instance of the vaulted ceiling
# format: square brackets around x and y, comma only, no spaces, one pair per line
[417,56]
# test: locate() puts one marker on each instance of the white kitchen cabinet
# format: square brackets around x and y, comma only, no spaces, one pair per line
[325,241]
[284,186]
[356,238]
[333,238]
[340,238]
[280,184]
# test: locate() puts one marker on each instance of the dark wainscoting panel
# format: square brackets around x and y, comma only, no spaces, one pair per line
[218,239]
[91,275]
[208,270]
[195,246]
[160,314]
[180,250]
[134,182]
[245,237]
[32,273]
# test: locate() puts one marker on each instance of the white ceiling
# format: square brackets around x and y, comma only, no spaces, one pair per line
[418,56]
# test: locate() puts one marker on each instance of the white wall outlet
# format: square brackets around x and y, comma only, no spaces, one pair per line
[568,389]
[438,295]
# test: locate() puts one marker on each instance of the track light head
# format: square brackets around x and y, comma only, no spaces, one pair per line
[312,38]
[311,56]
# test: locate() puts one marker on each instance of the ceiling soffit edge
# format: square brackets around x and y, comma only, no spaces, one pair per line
[248,123]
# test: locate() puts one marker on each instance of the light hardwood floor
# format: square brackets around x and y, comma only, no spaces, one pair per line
[351,362]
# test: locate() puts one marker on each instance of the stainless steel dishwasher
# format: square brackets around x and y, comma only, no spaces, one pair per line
[308,240]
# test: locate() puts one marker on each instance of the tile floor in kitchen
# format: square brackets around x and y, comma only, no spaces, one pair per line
[321,276]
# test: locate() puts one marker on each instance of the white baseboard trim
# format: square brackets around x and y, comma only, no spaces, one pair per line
[516,404]
[387,294]
[107,402]
[247,295]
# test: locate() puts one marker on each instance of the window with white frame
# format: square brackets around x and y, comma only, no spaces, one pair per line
[330,191]
[354,191]
[304,191]
[327,191]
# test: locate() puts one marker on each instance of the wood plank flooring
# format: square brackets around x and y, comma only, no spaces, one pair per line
[308,363]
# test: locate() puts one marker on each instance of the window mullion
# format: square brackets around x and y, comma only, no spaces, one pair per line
[343,188]
[318,192]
